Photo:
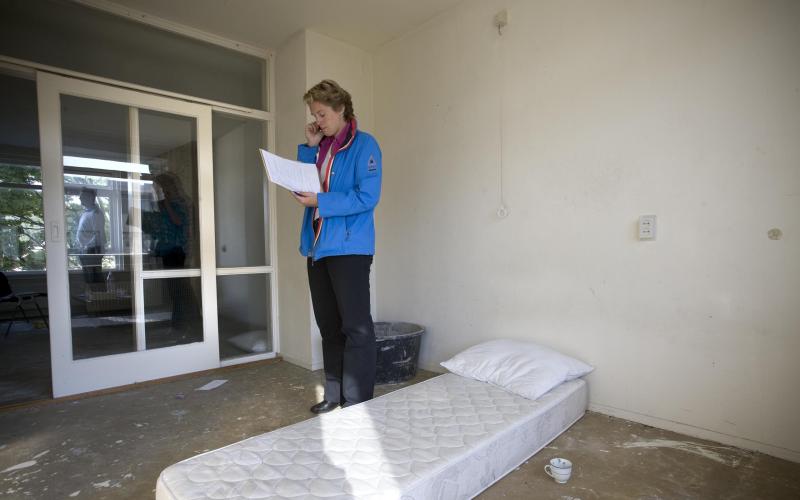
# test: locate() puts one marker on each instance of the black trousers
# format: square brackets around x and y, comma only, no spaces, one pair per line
[340,296]
[92,264]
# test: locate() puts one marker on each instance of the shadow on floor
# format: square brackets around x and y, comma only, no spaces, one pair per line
[24,363]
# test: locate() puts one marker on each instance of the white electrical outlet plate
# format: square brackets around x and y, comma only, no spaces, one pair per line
[647,227]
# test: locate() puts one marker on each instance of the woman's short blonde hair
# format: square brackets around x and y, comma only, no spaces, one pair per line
[331,94]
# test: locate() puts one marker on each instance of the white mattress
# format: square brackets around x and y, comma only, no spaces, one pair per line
[446,438]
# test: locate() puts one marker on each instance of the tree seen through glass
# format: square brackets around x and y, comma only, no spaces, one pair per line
[21,218]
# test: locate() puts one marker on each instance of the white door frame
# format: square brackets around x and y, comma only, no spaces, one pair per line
[78,376]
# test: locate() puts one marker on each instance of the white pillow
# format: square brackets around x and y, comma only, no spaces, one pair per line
[253,341]
[524,368]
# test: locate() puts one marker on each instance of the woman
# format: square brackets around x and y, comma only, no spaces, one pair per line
[173,233]
[338,239]
[174,230]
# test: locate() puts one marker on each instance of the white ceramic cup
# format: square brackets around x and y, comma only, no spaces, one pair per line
[559,469]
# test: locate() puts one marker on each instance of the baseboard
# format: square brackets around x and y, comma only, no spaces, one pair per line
[698,432]
[304,364]
[297,362]
[689,430]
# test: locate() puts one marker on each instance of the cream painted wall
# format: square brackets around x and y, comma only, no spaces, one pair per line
[350,66]
[294,301]
[610,110]
[303,61]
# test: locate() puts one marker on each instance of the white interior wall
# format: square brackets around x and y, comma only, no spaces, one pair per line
[610,110]
[309,57]
[293,298]
[350,66]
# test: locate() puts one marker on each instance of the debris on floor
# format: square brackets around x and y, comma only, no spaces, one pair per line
[211,385]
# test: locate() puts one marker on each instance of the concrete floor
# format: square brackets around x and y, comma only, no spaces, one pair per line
[24,363]
[114,446]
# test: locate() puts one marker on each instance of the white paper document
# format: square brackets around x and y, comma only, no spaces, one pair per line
[293,175]
[211,385]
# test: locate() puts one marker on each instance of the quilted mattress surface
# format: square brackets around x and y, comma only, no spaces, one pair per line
[446,437]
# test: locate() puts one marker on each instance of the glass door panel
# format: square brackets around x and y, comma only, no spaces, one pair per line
[243,304]
[172,312]
[239,192]
[126,261]
[168,145]
[169,229]
[25,351]
[244,269]
[95,145]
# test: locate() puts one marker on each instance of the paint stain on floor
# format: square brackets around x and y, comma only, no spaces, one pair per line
[23,465]
[731,457]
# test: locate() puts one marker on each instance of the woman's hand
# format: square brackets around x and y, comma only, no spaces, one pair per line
[306,199]
[158,193]
[313,134]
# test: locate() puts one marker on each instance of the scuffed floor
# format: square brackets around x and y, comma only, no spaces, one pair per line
[618,459]
[114,446]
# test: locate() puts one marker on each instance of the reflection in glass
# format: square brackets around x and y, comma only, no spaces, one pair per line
[91,238]
[169,212]
[21,217]
[94,129]
[130,212]
[243,306]
[99,255]
[25,365]
[172,311]
[239,188]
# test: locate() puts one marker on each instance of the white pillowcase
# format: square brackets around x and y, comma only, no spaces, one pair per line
[524,368]
[253,341]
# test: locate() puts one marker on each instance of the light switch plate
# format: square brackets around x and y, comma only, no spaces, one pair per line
[55,232]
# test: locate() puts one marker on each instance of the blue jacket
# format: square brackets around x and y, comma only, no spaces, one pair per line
[346,209]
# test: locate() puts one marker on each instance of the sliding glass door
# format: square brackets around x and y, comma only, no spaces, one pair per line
[129,216]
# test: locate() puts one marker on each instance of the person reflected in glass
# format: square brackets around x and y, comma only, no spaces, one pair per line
[172,237]
[91,239]
[338,240]
[174,227]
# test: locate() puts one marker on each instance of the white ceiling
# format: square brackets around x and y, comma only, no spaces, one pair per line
[268,23]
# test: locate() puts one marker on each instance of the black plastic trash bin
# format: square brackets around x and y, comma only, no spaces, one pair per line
[398,351]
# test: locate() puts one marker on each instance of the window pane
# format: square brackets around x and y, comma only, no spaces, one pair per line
[243,305]
[25,356]
[170,223]
[173,312]
[96,193]
[94,129]
[80,38]
[21,209]
[239,189]
[19,122]
[102,316]
[21,219]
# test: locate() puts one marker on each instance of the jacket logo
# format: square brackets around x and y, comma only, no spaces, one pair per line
[372,165]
